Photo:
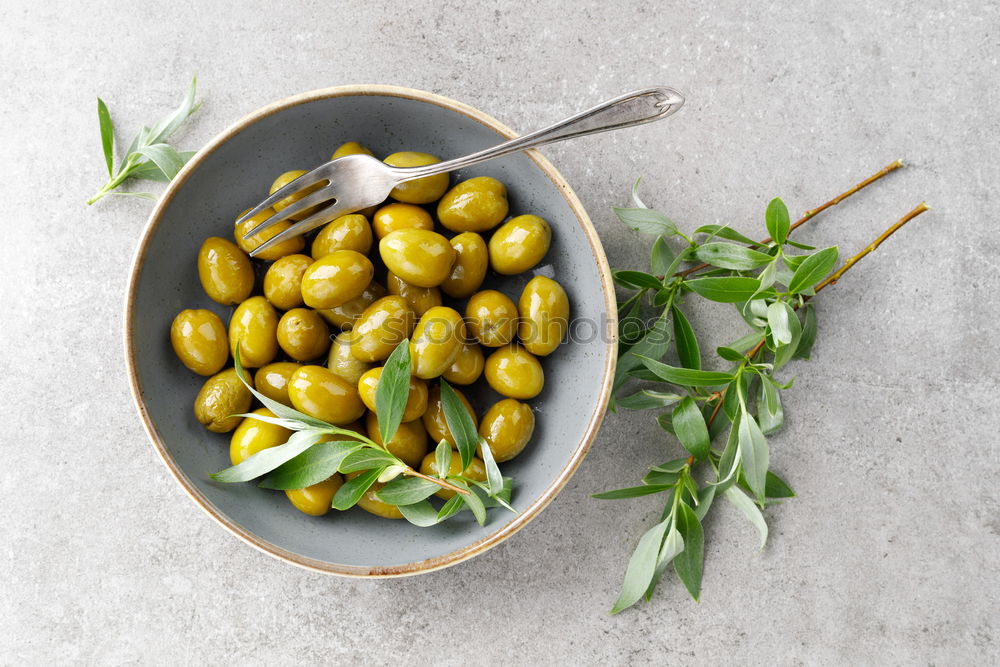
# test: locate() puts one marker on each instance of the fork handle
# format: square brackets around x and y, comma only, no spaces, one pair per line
[635,108]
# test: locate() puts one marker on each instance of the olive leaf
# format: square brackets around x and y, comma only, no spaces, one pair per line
[777,220]
[813,269]
[267,460]
[393,391]
[646,220]
[310,467]
[350,492]
[407,490]
[462,428]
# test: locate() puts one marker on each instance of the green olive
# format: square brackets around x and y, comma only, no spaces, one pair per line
[384,325]
[348,232]
[492,318]
[513,371]
[221,398]
[476,205]
[316,391]
[416,399]
[434,421]
[254,435]
[422,190]
[286,247]
[419,299]
[347,314]
[284,180]
[409,444]
[418,256]
[437,341]
[519,244]
[342,362]
[371,503]
[469,269]
[317,499]
[335,279]
[225,271]
[283,281]
[467,367]
[544,311]
[303,334]
[199,340]
[395,216]
[476,471]
[507,427]
[255,326]
[272,380]
[350,148]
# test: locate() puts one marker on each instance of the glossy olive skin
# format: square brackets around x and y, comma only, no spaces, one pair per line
[316,500]
[507,427]
[225,271]
[423,190]
[303,334]
[437,341]
[255,326]
[395,216]
[342,362]
[199,341]
[469,269]
[283,281]
[434,421]
[348,232]
[347,314]
[416,400]
[409,444]
[286,247]
[467,367]
[476,205]
[222,396]
[514,372]
[418,256]
[316,391]
[272,380]
[419,299]
[335,279]
[383,326]
[254,435]
[371,503]
[350,148]
[519,244]
[284,180]
[544,311]
[492,318]
[476,471]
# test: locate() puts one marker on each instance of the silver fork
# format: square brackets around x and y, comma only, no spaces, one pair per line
[354,182]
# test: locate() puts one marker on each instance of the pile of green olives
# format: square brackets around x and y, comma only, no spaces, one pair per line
[330,308]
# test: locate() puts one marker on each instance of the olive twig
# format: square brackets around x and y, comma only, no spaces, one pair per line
[808,215]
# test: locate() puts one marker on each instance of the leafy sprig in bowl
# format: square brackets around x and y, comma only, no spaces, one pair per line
[232,172]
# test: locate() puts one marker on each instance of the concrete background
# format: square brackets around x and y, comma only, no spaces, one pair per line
[890,553]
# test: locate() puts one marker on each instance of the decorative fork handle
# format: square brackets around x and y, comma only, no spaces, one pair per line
[635,108]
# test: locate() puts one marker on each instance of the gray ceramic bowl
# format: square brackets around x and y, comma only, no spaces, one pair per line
[232,173]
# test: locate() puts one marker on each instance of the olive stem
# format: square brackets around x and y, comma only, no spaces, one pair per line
[808,215]
[410,472]
[833,278]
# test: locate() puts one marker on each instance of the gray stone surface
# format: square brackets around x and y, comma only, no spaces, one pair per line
[890,553]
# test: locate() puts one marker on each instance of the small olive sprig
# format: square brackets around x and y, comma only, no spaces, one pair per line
[148,157]
[305,459]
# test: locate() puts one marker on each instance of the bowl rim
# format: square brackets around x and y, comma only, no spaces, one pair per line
[430,564]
